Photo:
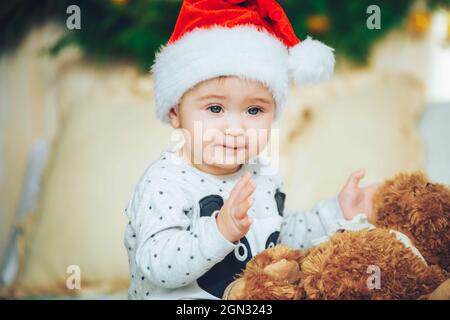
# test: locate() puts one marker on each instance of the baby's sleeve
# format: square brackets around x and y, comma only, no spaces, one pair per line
[299,228]
[171,251]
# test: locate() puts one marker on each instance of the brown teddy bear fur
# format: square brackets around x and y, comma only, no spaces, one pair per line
[413,205]
[338,268]
[262,285]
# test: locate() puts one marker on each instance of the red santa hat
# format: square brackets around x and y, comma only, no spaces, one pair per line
[251,39]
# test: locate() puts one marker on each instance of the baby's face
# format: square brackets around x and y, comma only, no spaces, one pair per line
[226,121]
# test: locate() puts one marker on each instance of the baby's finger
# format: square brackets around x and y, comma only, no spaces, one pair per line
[372,188]
[246,191]
[237,188]
[243,208]
[354,178]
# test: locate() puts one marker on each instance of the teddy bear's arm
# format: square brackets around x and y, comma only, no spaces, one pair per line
[299,227]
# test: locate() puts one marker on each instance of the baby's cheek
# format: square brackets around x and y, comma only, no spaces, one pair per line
[210,154]
[257,144]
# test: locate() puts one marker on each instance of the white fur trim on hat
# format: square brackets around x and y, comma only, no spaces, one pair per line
[310,61]
[203,54]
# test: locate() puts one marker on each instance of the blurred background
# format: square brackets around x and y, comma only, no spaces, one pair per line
[77,127]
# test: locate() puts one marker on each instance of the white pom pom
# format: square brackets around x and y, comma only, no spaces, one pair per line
[310,61]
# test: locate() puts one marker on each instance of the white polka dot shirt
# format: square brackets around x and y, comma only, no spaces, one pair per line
[174,247]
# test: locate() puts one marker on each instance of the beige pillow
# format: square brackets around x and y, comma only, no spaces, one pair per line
[105,143]
[27,114]
[358,120]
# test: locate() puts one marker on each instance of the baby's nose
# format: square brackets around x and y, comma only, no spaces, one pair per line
[235,131]
[236,138]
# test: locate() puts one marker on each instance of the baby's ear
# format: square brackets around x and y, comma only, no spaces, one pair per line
[174,117]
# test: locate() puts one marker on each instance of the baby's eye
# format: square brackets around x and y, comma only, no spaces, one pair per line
[254,110]
[215,108]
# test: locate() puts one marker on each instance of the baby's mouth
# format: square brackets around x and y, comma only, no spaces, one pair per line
[232,147]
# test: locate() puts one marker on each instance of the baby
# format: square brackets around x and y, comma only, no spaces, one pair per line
[201,212]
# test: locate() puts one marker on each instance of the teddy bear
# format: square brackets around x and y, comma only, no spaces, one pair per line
[403,255]
[413,205]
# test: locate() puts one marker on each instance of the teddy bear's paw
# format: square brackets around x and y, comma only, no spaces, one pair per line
[442,292]
[234,290]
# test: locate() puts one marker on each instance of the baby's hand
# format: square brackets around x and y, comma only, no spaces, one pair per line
[353,199]
[232,220]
